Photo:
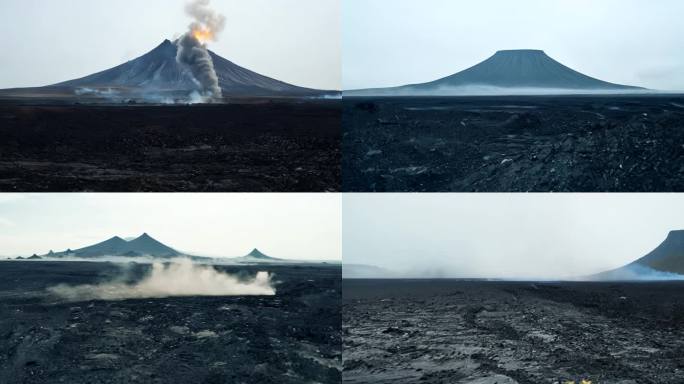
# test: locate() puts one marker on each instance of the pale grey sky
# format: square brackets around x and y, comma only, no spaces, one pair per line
[45,42]
[296,226]
[397,42]
[505,235]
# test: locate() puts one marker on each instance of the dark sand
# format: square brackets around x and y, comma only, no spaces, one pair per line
[259,145]
[293,337]
[452,331]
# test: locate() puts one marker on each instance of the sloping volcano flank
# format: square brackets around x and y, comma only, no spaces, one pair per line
[668,256]
[512,72]
[158,71]
[666,262]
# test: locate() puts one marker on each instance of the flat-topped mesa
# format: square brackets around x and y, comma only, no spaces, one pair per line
[510,72]
[520,52]
[525,68]
[677,235]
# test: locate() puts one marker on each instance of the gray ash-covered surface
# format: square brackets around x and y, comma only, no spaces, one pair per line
[502,144]
[451,331]
[259,145]
[293,337]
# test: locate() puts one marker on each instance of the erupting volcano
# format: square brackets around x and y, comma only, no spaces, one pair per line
[508,72]
[184,70]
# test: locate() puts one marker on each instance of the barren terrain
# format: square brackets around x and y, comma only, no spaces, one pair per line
[292,337]
[455,331]
[258,145]
[514,144]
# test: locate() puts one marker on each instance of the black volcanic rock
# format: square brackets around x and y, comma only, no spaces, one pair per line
[159,72]
[508,71]
[144,245]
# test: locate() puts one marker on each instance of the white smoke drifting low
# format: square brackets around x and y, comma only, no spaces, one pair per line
[192,48]
[180,277]
[488,90]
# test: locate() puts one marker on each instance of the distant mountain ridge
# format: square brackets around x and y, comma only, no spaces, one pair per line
[523,70]
[665,262]
[159,72]
[144,245]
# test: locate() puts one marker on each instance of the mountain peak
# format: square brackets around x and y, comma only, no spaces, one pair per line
[116,246]
[114,240]
[158,71]
[258,254]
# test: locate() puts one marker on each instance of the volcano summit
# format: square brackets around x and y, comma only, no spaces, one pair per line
[158,76]
[508,72]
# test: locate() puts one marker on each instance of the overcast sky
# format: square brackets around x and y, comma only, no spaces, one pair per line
[397,42]
[297,226]
[45,42]
[505,235]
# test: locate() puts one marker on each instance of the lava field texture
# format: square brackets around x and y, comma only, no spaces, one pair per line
[293,337]
[514,144]
[451,331]
[285,145]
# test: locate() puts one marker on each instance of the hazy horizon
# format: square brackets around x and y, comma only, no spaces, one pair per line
[514,236]
[295,41]
[398,42]
[289,226]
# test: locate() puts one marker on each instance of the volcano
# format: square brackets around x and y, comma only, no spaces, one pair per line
[256,256]
[666,262]
[144,245]
[509,72]
[158,74]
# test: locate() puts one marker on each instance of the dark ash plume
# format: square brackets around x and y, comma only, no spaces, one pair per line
[192,48]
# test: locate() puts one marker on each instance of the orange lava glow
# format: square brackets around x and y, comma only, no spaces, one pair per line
[203,35]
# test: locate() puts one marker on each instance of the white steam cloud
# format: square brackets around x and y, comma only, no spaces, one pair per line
[192,48]
[180,277]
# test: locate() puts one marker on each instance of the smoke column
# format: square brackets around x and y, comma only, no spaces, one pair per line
[192,48]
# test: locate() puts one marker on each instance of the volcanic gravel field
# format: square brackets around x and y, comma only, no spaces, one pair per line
[257,145]
[451,331]
[293,337]
[514,144]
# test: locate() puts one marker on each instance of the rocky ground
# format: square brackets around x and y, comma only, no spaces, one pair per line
[293,337]
[246,145]
[450,331]
[502,144]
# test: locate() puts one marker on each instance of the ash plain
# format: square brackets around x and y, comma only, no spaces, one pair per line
[594,143]
[486,332]
[243,145]
[292,337]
